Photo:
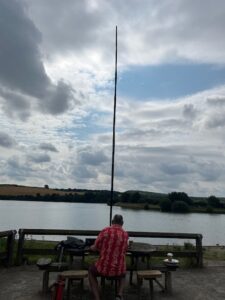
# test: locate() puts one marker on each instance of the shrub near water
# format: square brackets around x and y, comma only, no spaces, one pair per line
[180,207]
[165,205]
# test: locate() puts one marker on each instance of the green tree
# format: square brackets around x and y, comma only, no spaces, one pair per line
[125,197]
[214,202]
[180,196]
[165,205]
[180,207]
[209,209]
[146,206]
[135,197]
[200,203]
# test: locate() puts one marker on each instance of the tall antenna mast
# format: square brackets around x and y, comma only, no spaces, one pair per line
[113,139]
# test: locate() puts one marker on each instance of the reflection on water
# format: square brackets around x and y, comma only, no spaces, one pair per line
[22,214]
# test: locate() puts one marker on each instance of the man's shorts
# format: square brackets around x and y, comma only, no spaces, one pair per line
[93,270]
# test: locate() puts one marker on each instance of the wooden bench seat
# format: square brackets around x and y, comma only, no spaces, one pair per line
[71,275]
[149,275]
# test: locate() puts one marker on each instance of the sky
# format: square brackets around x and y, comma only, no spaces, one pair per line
[57,62]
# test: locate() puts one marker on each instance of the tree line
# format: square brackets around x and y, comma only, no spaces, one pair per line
[172,202]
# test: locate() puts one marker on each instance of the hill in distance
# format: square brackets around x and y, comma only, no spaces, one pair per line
[20,190]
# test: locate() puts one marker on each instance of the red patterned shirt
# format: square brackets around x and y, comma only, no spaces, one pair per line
[112,245]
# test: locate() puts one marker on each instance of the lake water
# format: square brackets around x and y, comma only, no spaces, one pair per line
[50,215]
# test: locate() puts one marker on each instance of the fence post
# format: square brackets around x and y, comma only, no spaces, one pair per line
[199,251]
[20,247]
[10,247]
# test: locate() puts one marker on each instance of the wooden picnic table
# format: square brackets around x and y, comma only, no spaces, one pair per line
[138,251]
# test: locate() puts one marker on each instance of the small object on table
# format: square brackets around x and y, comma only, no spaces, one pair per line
[48,266]
[171,262]
[169,256]
[42,263]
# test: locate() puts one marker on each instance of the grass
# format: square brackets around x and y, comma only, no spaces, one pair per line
[216,253]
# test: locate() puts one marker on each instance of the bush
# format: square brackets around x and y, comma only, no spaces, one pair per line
[146,206]
[188,246]
[209,209]
[180,196]
[165,205]
[214,202]
[125,197]
[180,207]
[200,203]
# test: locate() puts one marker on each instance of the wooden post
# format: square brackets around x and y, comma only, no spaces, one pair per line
[199,251]
[9,249]
[20,247]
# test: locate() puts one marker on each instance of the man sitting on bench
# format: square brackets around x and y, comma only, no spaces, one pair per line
[112,245]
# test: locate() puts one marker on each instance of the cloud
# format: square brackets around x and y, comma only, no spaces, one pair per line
[92,157]
[14,169]
[216,120]
[216,101]
[15,104]
[22,72]
[6,141]
[189,111]
[39,158]
[153,36]
[48,147]
[175,168]
[84,173]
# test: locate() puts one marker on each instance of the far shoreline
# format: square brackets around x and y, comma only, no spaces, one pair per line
[132,206]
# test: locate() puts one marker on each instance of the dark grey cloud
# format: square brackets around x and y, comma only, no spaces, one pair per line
[216,101]
[21,67]
[175,168]
[15,104]
[210,170]
[216,120]
[20,60]
[39,158]
[82,173]
[93,158]
[189,111]
[57,100]
[17,170]
[6,141]
[48,147]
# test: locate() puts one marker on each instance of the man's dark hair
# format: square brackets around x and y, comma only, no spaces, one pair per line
[117,219]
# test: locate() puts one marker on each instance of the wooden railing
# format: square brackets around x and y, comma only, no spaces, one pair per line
[6,256]
[197,252]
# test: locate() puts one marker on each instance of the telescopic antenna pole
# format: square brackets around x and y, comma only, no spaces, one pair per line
[113,139]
